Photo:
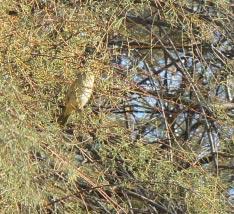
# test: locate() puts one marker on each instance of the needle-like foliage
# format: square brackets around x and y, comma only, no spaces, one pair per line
[156,135]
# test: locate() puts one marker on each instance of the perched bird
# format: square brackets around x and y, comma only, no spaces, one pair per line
[77,95]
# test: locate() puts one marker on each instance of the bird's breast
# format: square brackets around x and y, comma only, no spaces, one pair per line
[86,90]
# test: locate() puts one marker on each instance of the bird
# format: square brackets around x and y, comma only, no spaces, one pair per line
[77,95]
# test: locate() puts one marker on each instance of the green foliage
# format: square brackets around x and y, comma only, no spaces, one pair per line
[93,165]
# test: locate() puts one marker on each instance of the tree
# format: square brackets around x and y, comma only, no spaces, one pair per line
[157,134]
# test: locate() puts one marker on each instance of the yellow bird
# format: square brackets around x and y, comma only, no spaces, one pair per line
[77,95]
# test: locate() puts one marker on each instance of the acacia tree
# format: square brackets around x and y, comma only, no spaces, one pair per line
[157,135]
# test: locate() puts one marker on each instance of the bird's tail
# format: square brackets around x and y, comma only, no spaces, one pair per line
[62,120]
